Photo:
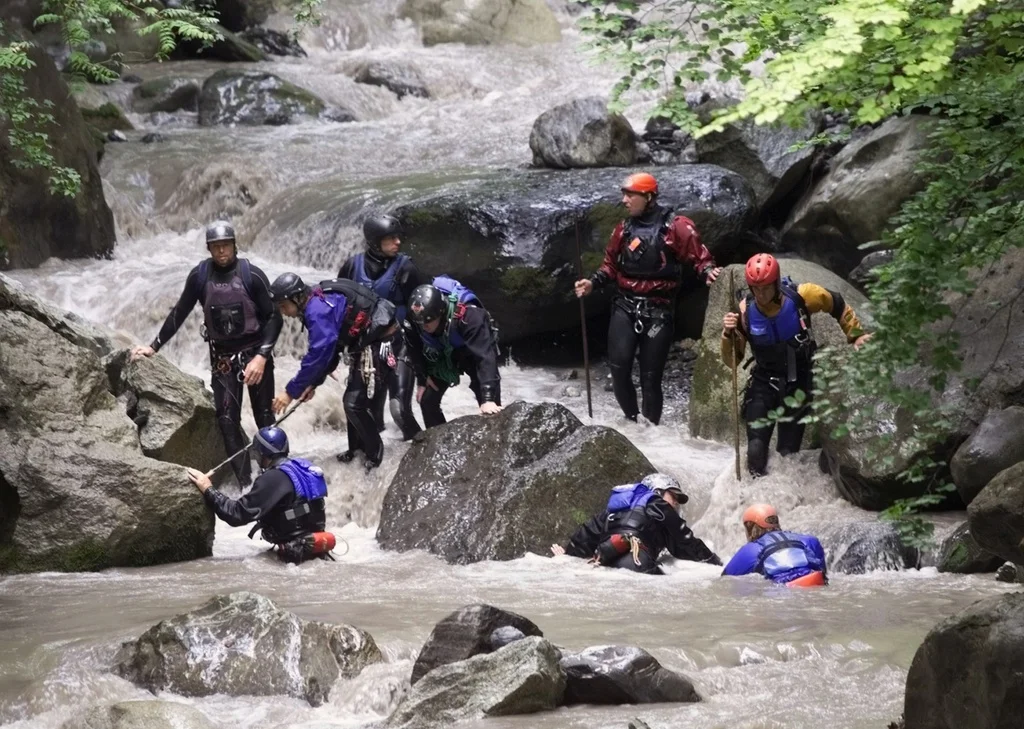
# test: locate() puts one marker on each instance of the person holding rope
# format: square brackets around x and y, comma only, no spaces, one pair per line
[241,325]
[644,260]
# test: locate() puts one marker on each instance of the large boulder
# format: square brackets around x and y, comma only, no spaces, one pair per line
[169,93]
[583,133]
[762,153]
[465,633]
[855,548]
[522,678]
[868,181]
[969,672]
[243,645]
[961,554]
[997,444]
[499,487]
[273,42]
[254,98]
[141,715]
[35,223]
[483,22]
[622,675]
[997,515]
[402,78]
[711,400]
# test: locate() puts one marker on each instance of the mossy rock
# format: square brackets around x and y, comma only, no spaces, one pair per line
[107,118]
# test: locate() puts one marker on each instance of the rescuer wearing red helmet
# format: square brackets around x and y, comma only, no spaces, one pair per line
[787,558]
[776,319]
[644,259]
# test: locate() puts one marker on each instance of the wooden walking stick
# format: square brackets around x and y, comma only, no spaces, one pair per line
[735,375]
[583,322]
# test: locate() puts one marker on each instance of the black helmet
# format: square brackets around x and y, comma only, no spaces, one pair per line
[378,228]
[426,304]
[270,442]
[287,286]
[218,231]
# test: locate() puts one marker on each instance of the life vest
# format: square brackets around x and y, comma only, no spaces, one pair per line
[437,347]
[782,343]
[360,303]
[388,285]
[644,253]
[627,507]
[229,311]
[305,515]
[785,557]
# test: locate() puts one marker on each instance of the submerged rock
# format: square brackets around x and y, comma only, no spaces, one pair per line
[622,675]
[868,546]
[141,715]
[254,98]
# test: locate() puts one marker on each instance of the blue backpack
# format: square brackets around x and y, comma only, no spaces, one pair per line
[629,496]
[307,479]
[456,292]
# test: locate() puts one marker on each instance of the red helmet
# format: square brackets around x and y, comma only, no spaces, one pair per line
[762,270]
[641,182]
[763,515]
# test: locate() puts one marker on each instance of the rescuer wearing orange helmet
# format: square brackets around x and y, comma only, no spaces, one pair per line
[644,259]
[775,317]
[788,558]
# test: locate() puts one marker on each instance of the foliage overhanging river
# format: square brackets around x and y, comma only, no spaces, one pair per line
[761,657]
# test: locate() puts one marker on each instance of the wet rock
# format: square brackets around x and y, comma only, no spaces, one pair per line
[711,401]
[116,136]
[969,672]
[868,546]
[1010,572]
[76,492]
[141,715]
[132,78]
[501,637]
[230,48]
[997,444]
[867,183]
[404,79]
[153,137]
[254,98]
[34,224]
[106,119]
[499,487]
[997,515]
[273,42]
[166,94]
[238,15]
[582,133]
[864,273]
[761,153]
[465,633]
[174,411]
[483,22]
[960,554]
[522,678]
[668,144]
[243,645]
[622,675]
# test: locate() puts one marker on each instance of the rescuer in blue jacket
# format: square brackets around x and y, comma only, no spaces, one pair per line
[788,558]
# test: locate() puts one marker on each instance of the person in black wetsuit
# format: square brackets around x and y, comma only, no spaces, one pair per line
[392,276]
[241,325]
[449,333]
[286,501]
[632,538]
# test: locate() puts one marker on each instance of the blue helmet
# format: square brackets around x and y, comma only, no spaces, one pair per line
[270,442]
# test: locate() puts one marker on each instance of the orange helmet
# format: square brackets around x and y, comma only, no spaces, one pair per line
[641,182]
[762,270]
[763,515]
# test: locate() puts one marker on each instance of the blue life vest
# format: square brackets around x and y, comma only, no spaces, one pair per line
[387,286]
[627,508]
[628,496]
[306,515]
[785,556]
[307,479]
[779,341]
[458,295]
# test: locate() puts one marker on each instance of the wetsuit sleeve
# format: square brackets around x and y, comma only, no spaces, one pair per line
[346,269]
[681,542]
[609,269]
[266,310]
[267,492]
[414,350]
[587,537]
[684,240]
[186,302]
[479,337]
[819,299]
[320,358]
[739,342]
[744,562]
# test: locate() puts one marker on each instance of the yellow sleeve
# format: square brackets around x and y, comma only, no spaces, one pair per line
[819,299]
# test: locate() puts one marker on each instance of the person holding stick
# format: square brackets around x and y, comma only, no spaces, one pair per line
[644,259]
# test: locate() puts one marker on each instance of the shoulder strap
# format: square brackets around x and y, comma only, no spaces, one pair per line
[203,274]
[245,271]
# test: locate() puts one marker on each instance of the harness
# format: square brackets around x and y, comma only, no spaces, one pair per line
[644,311]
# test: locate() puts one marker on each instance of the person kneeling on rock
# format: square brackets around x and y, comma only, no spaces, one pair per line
[788,558]
[640,520]
[286,500]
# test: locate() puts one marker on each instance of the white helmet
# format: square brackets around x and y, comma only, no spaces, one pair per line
[662,482]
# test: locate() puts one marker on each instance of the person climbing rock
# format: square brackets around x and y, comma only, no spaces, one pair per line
[449,334]
[392,276]
[286,500]
[775,318]
[241,326]
[639,522]
[788,558]
[644,260]
[338,314]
